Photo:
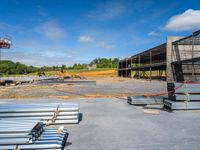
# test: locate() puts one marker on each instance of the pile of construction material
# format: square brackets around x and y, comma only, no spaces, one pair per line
[85,82]
[68,81]
[45,80]
[48,113]
[6,82]
[28,78]
[20,134]
[183,96]
[22,80]
[143,100]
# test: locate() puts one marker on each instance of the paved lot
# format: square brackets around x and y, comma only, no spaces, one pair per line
[112,124]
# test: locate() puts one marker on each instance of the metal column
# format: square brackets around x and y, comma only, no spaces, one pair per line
[193,57]
[131,67]
[139,65]
[150,64]
[126,68]
[0,64]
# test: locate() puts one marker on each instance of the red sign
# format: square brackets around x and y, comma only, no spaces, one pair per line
[5,43]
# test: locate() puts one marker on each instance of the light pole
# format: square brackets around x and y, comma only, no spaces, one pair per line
[5,43]
[0,63]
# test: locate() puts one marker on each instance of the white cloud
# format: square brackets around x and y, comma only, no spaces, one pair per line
[5,27]
[153,33]
[38,53]
[42,58]
[136,40]
[86,39]
[42,11]
[95,42]
[53,54]
[108,11]
[190,19]
[106,46]
[51,30]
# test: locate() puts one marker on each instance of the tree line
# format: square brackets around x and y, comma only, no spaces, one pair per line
[8,67]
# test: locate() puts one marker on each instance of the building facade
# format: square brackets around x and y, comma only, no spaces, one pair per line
[161,62]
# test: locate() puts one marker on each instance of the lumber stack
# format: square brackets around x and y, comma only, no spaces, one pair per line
[30,135]
[142,100]
[183,96]
[48,113]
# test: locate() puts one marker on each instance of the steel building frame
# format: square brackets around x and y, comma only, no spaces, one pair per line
[161,58]
[186,58]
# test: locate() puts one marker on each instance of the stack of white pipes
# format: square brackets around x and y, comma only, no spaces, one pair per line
[20,134]
[48,113]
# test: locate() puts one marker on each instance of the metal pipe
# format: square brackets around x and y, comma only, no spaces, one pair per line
[46,139]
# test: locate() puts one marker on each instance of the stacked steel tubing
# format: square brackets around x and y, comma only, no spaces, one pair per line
[183,96]
[48,139]
[58,80]
[29,78]
[14,132]
[142,100]
[23,126]
[48,113]
[47,80]
[53,136]
[24,80]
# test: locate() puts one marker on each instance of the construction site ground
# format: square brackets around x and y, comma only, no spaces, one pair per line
[112,124]
[106,87]
[108,121]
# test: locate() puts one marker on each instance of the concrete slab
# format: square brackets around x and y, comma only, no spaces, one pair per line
[112,124]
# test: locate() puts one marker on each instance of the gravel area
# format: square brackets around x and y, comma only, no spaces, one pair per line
[105,87]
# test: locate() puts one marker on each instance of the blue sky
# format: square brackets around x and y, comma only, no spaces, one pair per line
[56,32]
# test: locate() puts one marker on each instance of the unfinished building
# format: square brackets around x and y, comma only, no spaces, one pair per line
[176,60]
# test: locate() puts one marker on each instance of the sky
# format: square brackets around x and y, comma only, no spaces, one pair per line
[64,32]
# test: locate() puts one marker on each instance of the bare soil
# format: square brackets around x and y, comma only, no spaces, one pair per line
[106,87]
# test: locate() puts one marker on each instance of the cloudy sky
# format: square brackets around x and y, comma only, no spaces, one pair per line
[56,32]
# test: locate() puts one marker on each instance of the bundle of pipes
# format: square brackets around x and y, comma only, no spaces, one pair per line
[28,78]
[19,131]
[30,135]
[183,96]
[142,100]
[21,80]
[78,82]
[48,113]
